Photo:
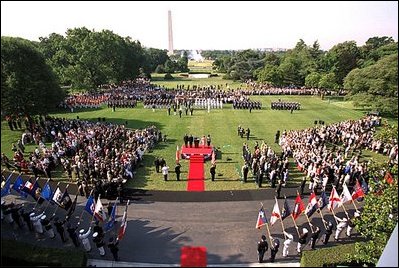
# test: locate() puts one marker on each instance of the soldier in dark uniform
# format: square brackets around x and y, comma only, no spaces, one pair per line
[59,226]
[328,232]
[274,248]
[157,164]
[72,234]
[185,140]
[177,171]
[213,171]
[245,170]
[277,137]
[314,237]
[278,190]
[262,248]
[113,247]
[191,140]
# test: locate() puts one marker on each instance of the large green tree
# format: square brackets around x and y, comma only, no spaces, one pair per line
[87,59]
[342,58]
[376,86]
[28,84]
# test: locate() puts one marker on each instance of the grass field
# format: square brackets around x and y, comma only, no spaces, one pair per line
[221,125]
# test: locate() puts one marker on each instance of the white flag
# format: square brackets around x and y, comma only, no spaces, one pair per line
[99,211]
[345,195]
[275,214]
[57,197]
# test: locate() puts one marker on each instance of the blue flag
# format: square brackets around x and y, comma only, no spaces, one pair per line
[90,205]
[323,200]
[47,193]
[18,186]
[7,187]
[111,221]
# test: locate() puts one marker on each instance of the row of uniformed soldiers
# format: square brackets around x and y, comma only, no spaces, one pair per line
[41,225]
[284,105]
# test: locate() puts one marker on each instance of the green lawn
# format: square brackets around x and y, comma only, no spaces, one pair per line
[221,125]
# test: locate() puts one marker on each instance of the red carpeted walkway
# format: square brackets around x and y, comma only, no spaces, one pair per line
[193,257]
[196,174]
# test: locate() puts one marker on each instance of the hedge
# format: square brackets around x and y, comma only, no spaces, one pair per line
[332,256]
[15,253]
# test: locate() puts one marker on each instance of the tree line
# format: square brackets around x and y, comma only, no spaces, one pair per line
[34,74]
[369,73]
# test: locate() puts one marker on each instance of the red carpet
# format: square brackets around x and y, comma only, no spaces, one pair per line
[196,174]
[193,257]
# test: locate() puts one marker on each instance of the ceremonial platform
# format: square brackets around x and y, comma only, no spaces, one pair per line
[205,151]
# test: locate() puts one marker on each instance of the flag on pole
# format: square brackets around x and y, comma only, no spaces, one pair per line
[275,214]
[47,193]
[357,191]
[261,218]
[213,161]
[6,190]
[18,186]
[323,200]
[66,201]
[71,210]
[312,205]
[99,211]
[334,200]
[111,220]
[90,205]
[286,210]
[177,154]
[299,207]
[122,228]
[30,188]
[57,197]
[345,195]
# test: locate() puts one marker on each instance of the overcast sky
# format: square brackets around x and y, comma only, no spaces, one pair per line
[208,25]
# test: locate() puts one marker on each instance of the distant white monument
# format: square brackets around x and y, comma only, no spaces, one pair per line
[170,34]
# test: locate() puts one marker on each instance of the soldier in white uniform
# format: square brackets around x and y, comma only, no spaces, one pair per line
[84,238]
[287,243]
[37,224]
[342,223]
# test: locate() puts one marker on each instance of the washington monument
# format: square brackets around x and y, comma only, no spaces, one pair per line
[170,33]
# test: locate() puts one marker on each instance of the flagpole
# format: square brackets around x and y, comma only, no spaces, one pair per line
[48,202]
[73,203]
[37,201]
[267,228]
[81,214]
[332,211]
[347,215]
[354,205]
[292,217]
[325,226]
[282,224]
[61,196]
[311,228]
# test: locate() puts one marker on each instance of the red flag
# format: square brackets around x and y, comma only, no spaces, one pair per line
[358,191]
[122,229]
[299,207]
[312,205]
[334,200]
[388,178]
[275,214]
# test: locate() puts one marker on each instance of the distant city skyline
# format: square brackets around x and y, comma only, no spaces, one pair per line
[209,25]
